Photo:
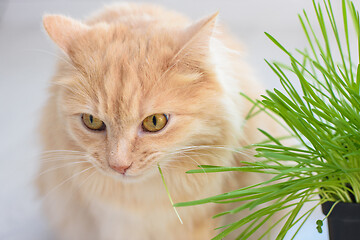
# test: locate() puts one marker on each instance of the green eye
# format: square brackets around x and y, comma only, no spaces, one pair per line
[155,122]
[92,122]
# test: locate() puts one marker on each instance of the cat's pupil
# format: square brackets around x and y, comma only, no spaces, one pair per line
[154,120]
[91,118]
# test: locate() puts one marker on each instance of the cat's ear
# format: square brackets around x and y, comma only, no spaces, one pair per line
[195,40]
[63,30]
[201,30]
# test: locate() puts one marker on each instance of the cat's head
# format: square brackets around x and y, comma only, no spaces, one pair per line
[132,97]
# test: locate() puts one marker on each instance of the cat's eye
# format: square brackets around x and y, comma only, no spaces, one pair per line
[92,122]
[155,122]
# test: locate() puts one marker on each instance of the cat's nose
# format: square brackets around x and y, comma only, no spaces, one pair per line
[120,169]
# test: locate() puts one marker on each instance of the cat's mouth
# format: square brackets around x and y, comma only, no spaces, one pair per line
[129,177]
[124,174]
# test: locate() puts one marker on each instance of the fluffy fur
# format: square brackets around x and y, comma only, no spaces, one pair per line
[125,63]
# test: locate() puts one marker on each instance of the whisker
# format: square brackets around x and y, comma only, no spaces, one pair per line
[60,158]
[187,157]
[211,147]
[244,152]
[63,151]
[69,196]
[65,181]
[86,179]
[196,154]
[58,167]
[171,167]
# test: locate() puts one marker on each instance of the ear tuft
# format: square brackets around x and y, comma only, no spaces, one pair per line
[202,28]
[195,42]
[63,30]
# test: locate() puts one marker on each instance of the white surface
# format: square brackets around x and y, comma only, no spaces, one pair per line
[27,62]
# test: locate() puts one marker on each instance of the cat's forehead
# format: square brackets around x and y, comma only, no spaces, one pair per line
[125,73]
[122,42]
[120,52]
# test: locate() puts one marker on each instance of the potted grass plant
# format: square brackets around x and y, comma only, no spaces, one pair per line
[324,116]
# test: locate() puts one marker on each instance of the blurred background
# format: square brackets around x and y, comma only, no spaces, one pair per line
[27,59]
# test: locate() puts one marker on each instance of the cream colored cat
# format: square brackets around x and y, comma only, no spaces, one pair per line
[140,86]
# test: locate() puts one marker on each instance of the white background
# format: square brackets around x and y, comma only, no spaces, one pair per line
[27,62]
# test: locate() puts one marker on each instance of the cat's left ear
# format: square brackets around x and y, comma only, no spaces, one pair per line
[195,40]
[63,30]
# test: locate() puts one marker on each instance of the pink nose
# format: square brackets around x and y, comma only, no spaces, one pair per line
[121,169]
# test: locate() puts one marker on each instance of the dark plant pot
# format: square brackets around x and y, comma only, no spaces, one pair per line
[343,221]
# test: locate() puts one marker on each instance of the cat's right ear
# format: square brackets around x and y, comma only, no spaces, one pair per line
[63,30]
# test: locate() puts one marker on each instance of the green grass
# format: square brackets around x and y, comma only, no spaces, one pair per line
[168,193]
[324,116]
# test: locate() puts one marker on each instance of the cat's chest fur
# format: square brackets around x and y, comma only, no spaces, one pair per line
[158,223]
[133,212]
